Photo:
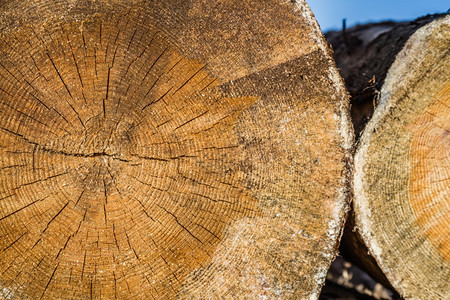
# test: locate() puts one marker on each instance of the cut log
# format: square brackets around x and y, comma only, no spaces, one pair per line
[363,55]
[402,167]
[168,149]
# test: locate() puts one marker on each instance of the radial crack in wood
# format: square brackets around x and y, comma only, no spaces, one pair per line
[168,149]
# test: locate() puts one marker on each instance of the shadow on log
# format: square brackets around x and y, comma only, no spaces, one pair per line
[363,56]
[401,182]
[169,149]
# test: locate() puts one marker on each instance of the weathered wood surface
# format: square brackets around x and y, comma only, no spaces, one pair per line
[163,149]
[402,172]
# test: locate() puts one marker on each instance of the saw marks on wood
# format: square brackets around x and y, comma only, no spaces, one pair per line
[141,157]
[430,176]
[121,169]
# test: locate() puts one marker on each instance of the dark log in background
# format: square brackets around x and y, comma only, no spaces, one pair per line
[363,55]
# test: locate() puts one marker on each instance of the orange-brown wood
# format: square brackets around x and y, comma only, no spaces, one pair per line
[401,168]
[430,176]
[168,149]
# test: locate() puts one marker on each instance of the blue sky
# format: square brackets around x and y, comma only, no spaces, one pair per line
[329,13]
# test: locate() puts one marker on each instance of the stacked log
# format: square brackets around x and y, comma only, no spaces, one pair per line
[163,149]
[401,178]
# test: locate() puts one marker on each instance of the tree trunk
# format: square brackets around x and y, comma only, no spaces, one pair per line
[402,179]
[168,149]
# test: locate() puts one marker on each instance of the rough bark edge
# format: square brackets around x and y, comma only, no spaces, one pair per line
[346,133]
[398,78]
[364,54]
[346,138]
[355,250]
[358,55]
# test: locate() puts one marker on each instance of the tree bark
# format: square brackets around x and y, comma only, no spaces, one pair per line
[401,181]
[363,55]
[162,149]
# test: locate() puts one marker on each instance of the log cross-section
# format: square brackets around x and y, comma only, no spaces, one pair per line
[162,149]
[402,168]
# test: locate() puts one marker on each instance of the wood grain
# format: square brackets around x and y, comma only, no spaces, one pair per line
[161,150]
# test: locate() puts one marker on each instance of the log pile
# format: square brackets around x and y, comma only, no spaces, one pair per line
[204,149]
